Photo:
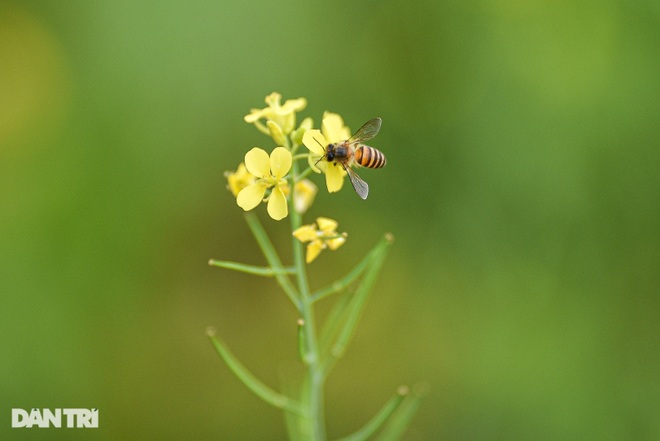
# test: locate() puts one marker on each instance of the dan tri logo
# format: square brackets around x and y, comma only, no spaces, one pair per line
[44,418]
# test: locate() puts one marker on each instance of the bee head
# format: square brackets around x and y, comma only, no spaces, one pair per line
[329,156]
[329,152]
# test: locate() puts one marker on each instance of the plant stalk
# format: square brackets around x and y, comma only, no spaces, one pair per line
[315,381]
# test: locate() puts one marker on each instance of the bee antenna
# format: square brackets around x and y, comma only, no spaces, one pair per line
[319,143]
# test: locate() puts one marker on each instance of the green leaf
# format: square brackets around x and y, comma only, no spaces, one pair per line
[344,321]
[261,390]
[265,271]
[333,322]
[336,316]
[401,418]
[354,273]
[379,419]
[273,258]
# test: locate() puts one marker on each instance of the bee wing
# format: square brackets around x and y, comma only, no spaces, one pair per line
[367,131]
[361,187]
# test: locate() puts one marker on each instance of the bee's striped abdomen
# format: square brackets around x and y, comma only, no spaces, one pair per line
[369,157]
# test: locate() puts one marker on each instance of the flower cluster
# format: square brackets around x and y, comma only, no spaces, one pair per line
[269,173]
[284,116]
[320,236]
[270,177]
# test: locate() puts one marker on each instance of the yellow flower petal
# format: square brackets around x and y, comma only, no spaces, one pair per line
[305,233]
[251,196]
[295,105]
[285,120]
[326,224]
[258,163]
[316,163]
[313,250]
[315,142]
[333,244]
[255,114]
[283,115]
[284,186]
[273,100]
[280,162]
[304,194]
[307,123]
[334,177]
[239,179]
[277,207]
[333,127]
[276,132]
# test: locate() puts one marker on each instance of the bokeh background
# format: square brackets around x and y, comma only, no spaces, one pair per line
[523,189]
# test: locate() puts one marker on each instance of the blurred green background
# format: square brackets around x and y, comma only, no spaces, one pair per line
[522,187]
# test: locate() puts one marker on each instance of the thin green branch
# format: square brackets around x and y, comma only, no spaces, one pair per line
[303,175]
[261,390]
[379,419]
[265,271]
[262,128]
[403,415]
[294,146]
[273,259]
[353,275]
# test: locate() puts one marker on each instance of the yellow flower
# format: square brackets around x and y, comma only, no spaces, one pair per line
[333,127]
[283,115]
[320,236]
[269,172]
[238,180]
[304,194]
[332,130]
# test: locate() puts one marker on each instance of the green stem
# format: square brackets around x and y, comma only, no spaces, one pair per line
[294,146]
[251,269]
[315,380]
[273,258]
[304,174]
[262,128]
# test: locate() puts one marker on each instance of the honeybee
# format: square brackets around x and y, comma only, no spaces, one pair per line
[351,152]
